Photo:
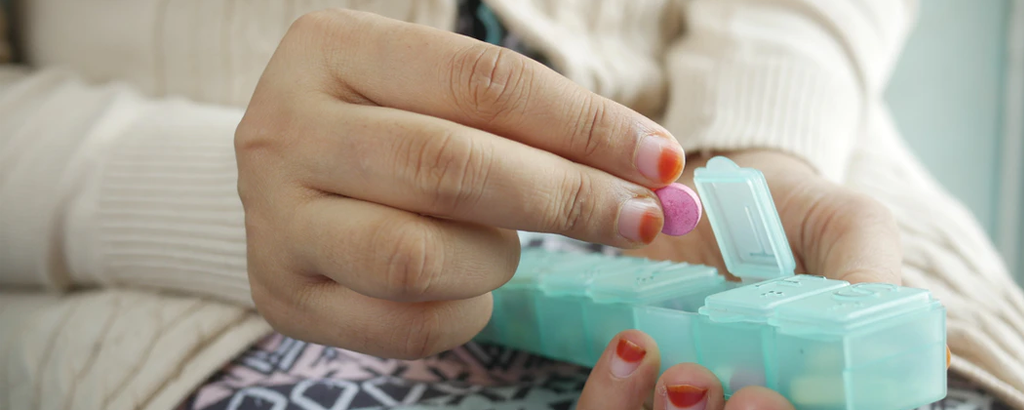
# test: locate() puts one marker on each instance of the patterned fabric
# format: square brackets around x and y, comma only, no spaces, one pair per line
[281,373]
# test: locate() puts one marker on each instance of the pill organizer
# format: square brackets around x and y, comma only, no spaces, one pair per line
[823,344]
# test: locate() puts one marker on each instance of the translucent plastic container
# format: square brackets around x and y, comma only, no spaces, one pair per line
[561,304]
[513,320]
[847,349]
[821,343]
[617,298]
[732,339]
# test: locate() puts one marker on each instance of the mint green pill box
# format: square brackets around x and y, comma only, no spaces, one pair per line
[823,344]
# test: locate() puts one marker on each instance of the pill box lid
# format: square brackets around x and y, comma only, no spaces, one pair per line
[533,263]
[841,310]
[652,282]
[575,281]
[758,302]
[744,219]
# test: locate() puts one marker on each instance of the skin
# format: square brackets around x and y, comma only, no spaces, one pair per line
[384,168]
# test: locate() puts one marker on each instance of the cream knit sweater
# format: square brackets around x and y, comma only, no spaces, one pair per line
[117,172]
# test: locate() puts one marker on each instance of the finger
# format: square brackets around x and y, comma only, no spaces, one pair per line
[324,312]
[688,386]
[757,398]
[390,254]
[845,235]
[625,374]
[434,72]
[433,166]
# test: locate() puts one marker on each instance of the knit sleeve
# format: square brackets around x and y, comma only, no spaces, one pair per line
[102,186]
[793,75]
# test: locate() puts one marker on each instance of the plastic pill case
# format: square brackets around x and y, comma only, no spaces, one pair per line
[823,344]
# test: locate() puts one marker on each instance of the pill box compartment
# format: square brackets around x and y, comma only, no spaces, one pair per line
[733,338]
[513,319]
[866,346]
[562,300]
[616,301]
[671,323]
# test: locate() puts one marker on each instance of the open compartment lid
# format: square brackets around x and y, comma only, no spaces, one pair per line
[743,216]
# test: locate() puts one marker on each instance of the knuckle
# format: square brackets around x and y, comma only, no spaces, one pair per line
[571,207]
[847,211]
[862,208]
[414,260]
[512,254]
[255,142]
[490,82]
[423,336]
[264,147]
[328,34]
[271,308]
[593,123]
[254,134]
[451,170]
[319,21]
[261,298]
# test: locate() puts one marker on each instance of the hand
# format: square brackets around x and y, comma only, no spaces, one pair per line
[626,376]
[833,231]
[384,167]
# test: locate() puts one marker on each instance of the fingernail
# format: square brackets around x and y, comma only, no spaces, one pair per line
[686,397]
[640,220]
[949,357]
[628,356]
[659,159]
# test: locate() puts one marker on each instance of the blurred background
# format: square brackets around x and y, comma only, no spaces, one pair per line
[958,97]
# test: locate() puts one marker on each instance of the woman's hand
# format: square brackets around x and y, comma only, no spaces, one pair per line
[384,167]
[833,231]
[627,374]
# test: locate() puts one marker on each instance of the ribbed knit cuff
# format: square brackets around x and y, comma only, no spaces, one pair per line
[161,209]
[775,102]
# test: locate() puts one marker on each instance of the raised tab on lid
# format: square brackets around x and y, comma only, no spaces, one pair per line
[743,216]
[845,308]
[652,282]
[575,280]
[759,301]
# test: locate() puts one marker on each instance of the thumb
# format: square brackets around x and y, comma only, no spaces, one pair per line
[843,234]
[625,375]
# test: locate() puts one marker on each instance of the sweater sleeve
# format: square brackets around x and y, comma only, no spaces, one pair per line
[101,186]
[792,75]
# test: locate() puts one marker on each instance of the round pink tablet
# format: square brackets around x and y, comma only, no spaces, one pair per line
[682,209]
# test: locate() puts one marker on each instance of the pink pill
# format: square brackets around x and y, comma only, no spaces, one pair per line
[682,209]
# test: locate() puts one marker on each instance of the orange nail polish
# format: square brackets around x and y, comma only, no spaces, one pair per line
[650,225]
[949,357]
[670,165]
[685,396]
[630,352]
[640,220]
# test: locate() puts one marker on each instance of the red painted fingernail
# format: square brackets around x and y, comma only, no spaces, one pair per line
[659,159]
[670,165]
[640,220]
[686,397]
[628,356]
[650,225]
